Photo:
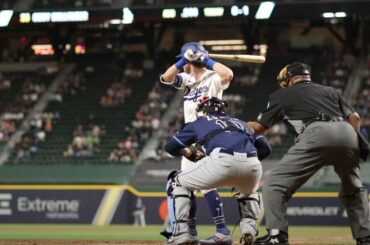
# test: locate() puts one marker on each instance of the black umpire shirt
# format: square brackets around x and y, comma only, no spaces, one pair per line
[301,103]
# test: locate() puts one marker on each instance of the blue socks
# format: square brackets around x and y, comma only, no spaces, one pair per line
[215,205]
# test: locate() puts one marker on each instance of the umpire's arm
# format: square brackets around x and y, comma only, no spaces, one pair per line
[354,120]
[272,115]
[257,127]
[349,112]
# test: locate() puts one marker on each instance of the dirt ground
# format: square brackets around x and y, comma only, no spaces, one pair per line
[311,241]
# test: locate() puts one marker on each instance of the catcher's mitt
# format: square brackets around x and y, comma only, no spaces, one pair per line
[194,153]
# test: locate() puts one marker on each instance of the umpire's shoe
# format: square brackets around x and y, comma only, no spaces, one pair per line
[281,238]
[363,241]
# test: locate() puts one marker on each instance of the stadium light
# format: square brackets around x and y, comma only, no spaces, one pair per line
[229,47]
[235,10]
[190,12]
[213,11]
[336,15]
[41,17]
[128,16]
[169,13]
[5,17]
[245,10]
[222,42]
[328,15]
[24,18]
[69,16]
[115,21]
[264,10]
[340,14]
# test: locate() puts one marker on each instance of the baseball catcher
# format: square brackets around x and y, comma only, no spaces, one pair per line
[231,160]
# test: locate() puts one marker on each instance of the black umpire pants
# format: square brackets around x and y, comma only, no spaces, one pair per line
[322,143]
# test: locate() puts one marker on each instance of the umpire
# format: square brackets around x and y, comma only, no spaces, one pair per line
[325,128]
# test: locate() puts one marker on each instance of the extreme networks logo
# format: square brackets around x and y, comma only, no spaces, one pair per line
[5,203]
[54,209]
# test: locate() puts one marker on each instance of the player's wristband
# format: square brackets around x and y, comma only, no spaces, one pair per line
[177,83]
[181,63]
[209,63]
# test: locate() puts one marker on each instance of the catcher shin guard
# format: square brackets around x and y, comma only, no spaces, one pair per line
[249,208]
[192,218]
[179,203]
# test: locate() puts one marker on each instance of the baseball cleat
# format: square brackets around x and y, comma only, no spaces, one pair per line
[363,241]
[183,239]
[281,239]
[218,239]
[166,234]
[246,239]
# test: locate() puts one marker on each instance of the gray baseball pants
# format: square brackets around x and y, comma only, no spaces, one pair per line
[225,170]
[322,143]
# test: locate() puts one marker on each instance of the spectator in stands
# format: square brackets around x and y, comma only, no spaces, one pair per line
[147,120]
[28,144]
[85,143]
[74,84]
[5,84]
[116,95]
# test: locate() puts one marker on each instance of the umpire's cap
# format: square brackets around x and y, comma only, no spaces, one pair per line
[292,70]
[212,104]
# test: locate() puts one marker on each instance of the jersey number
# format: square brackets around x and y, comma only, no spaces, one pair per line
[230,122]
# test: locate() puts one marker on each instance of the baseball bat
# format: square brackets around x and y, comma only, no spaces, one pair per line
[240,57]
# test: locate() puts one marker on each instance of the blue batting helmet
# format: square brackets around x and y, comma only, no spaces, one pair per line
[195,46]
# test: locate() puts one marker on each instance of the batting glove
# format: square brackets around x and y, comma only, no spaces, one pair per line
[181,63]
[191,55]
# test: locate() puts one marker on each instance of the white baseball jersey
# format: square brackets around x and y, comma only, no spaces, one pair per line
[208,85]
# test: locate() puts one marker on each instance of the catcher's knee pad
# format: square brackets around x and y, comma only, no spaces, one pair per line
[249,209]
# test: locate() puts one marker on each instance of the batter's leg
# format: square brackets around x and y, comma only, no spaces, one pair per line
[215,206]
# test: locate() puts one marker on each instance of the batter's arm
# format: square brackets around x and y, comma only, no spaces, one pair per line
[224,72]
[169,76]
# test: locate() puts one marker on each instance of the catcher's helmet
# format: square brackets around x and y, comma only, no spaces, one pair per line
[292,70]
[210,105]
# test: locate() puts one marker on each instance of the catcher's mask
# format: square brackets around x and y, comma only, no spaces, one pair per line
[209,105]
[292,70]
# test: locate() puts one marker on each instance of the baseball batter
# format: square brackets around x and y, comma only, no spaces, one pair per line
[200,76]
[231,162]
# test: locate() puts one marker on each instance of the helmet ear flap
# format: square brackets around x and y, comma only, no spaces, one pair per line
[284,77]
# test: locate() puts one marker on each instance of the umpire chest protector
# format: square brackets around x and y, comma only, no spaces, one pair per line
[303,103]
